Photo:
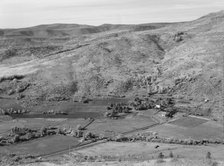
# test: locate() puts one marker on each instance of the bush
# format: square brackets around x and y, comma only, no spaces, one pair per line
[4,78]
[128,85]
[125,86]
[10,92]
[73,87]
[10,52]
[214,163]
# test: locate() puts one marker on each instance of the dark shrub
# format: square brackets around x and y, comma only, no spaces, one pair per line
[10,52]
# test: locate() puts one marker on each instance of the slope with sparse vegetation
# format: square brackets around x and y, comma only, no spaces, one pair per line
[65,62]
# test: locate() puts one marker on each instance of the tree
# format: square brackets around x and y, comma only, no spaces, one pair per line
[161,155]
[43,131]
[208,155]
[79,127]
[160,158]
[171,155]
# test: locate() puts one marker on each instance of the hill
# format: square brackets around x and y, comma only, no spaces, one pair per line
[68,61]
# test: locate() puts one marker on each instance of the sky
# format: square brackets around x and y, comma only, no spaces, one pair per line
[25,13]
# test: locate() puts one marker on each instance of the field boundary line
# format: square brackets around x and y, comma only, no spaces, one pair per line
[193,116]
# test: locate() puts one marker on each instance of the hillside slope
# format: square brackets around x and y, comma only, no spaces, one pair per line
[65,62]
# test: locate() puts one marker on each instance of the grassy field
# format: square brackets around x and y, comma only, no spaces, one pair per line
[197,129]
[42,146]
[121,125]
[147,151]
[188,122]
